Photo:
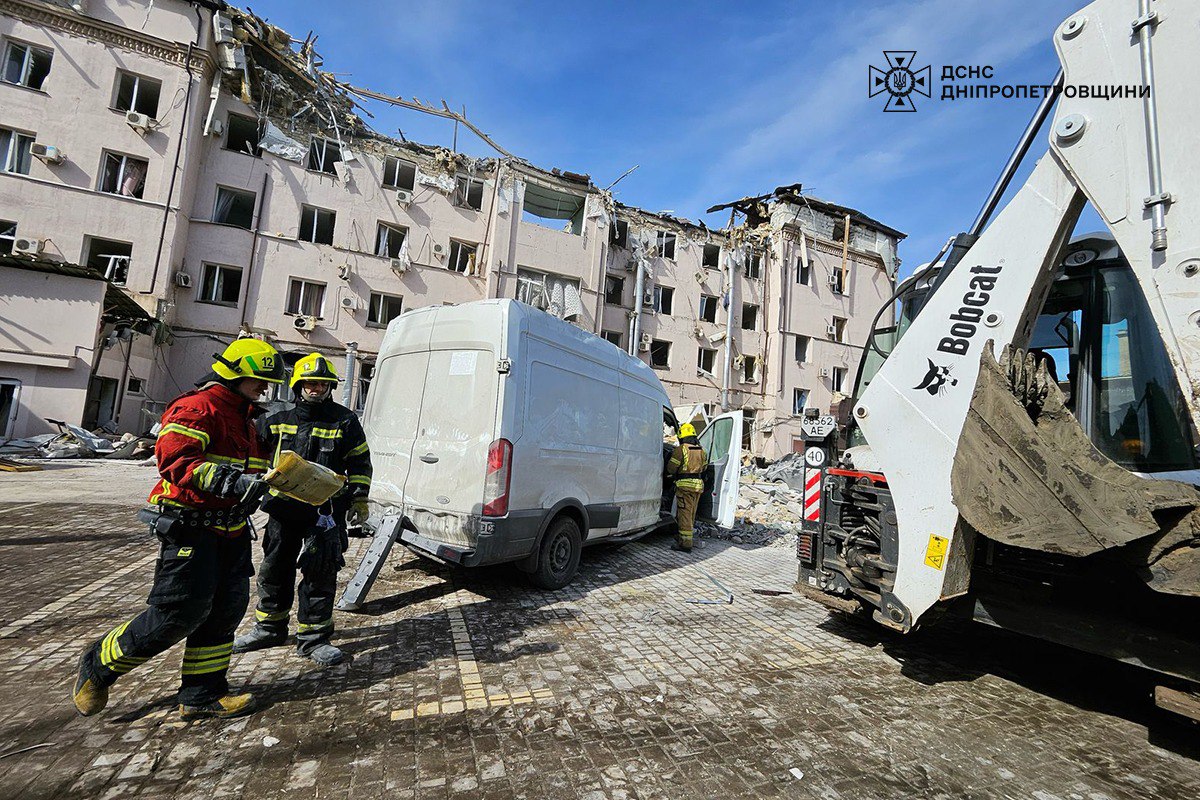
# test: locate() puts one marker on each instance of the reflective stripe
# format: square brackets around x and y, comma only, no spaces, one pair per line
[214,650]
[327,433]
[692,484]
[111,655]
[306,627]
[202,474]
[182,430]
[362,480]
[270,616]
[283,427]
[259,463]
[216,459]
[358,451]
[203,660]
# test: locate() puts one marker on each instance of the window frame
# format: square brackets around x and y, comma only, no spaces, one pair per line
[803,272]
[839,325]
[471,266]
[387,164]
[650,354]
[390,228]
[716,263]
[802,395]
[322,156]
[305,285]
[753,269]
[382,298]
[665,240]
[704,299]
[249,226]
[122,173]
[11,156]
[658,304]
[835,384]
[750,370]
[5,237]
[136,94]
[225,145]
[700,353]
[113,259]
[217,273]
[467,187]
[305,208]
[619,282]
[754,307]
[27,63]
[619,236]
[608,337]
[800,348]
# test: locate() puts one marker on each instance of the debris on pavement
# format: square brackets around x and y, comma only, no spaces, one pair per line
[728,594]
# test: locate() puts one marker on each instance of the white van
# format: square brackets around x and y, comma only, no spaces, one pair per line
[500,433]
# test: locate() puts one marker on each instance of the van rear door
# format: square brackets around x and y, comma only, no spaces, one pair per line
[722,441]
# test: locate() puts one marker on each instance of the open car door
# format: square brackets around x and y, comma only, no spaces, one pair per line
[722,441]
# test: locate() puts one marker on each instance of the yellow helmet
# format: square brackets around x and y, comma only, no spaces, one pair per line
[249,358]
[313,367]
[686,430]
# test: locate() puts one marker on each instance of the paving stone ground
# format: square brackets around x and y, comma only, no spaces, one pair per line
[471,685]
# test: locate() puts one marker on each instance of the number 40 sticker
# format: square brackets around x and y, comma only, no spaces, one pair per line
[935,553]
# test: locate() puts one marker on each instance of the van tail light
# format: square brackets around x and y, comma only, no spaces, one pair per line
[498,478]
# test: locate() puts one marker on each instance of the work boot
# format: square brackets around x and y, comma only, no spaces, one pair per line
[258,639]
[681,547]
[326,655]
[227,707]
[89,697]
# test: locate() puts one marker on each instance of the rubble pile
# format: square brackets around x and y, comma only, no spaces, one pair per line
[76,442]
[769,514]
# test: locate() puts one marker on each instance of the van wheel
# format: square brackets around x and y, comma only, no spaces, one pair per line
[558,557]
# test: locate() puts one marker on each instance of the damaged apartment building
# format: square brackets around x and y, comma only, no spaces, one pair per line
[203,162]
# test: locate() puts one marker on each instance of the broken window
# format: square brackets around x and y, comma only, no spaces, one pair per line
[712,256]
[8,235]
[619,235]
[750,370]
[316,225]
[242,134]
[389,240]
[468,192]
[305,298]
[10,389]
[543,204]
[26,65]
[835,282]
[220,285]
[365,373]
[754,266]
[660,354]
[234,207]
[799,401]
[801,349]
[706,357]
[553,293]
[614,290]
[383,309]
[123,175]
[803,271]
[666,244]
[664,299]
[837,329]
[137,93]
[323,154]
[837,379]
[110,258]
[613,337]
[708,308]
[399,174]
[15,155]
[462,257]
[749,317]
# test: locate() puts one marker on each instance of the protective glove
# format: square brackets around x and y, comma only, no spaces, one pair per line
[359,511]
[321,552]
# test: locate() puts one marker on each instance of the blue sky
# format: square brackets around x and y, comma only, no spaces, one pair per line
[714,101]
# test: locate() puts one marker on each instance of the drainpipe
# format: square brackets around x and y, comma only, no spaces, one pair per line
[635,323]
[124,378]
[262,202]
[348,387]
[727,375]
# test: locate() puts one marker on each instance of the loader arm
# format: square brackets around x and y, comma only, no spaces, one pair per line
[1108,150]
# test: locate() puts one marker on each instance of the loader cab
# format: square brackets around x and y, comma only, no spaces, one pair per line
[1107,356]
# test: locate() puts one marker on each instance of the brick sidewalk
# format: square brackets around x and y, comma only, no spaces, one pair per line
[469,684]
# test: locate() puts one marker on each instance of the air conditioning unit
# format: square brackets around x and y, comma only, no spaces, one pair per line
[223,29]
[216,127]
[644,343]
[28,247]
[399,265]
[825,372]
[831,330]
[183,280]
[141,123]
[700,276]
[739,362]
[344,272]
[304,323]
[631,265]
[647,295]
[403,198]
[439,250]
[350,303]
[232,57]
[698,332]
[48,153]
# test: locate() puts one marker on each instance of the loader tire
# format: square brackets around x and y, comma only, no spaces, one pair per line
[558,556]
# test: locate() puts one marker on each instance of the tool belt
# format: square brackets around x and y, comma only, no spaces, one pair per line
[163,519]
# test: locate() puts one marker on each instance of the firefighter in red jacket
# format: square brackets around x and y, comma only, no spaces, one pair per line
[208,453]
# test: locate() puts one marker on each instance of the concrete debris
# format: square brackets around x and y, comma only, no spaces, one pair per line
[768,515]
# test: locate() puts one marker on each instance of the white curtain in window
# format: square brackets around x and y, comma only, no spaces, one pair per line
[224,206]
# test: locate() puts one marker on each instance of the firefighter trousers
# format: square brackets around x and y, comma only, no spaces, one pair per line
[686,501]
[200,593]
[277,588]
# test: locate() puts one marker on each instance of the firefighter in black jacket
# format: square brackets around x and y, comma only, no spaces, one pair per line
[299,535]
